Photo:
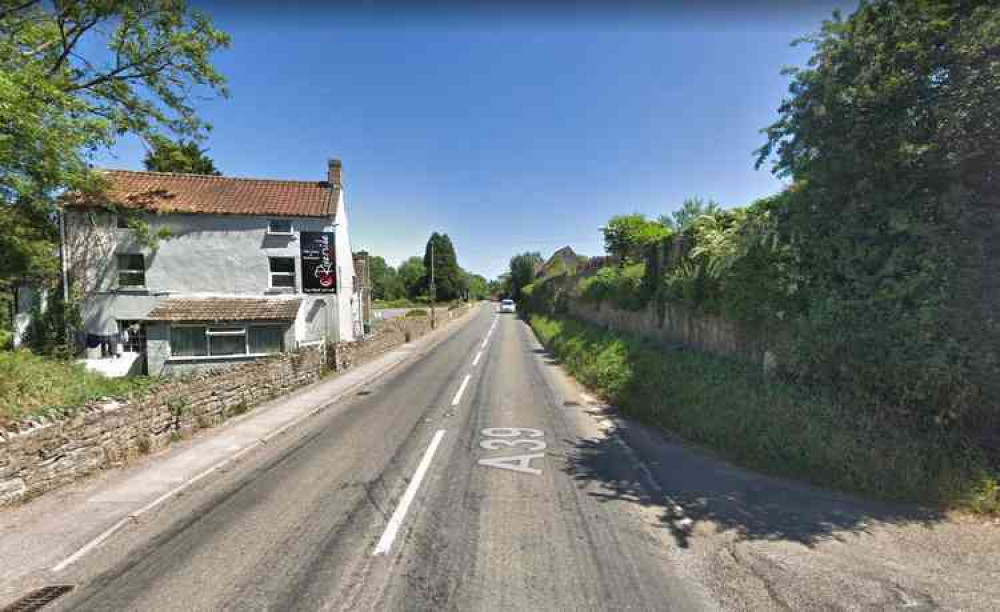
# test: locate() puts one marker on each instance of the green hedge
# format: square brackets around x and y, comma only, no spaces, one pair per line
[770,425]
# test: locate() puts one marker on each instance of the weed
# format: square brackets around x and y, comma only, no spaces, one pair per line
[178,406]
[771,425]
[31,384]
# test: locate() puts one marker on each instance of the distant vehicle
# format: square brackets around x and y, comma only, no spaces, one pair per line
[507,306]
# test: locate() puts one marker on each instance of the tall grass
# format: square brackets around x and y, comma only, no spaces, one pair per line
[770,425]
[30,384]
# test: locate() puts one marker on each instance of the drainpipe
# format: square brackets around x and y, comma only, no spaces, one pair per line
[65,271]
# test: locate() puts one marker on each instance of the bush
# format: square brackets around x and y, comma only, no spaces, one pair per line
[792,430]
[416,312]
[619,286]
[31,384]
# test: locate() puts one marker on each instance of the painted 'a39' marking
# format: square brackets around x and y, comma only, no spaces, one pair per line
[522,439]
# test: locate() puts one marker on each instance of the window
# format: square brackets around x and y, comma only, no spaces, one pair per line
[225,341]
[266,339]
[188,342]
[131,270]
[282,271]
[279,226]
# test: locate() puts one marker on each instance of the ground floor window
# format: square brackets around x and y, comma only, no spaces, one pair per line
[225,340]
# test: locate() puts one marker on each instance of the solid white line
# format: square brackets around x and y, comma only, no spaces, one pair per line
[475,361]
[461,390]
[385,542]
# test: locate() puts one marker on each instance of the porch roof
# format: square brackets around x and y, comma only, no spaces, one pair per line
[225,309]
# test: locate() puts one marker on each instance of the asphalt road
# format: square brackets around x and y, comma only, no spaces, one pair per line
[479,477]
[298,528]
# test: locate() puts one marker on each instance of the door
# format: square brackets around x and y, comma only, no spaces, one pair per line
[133,339]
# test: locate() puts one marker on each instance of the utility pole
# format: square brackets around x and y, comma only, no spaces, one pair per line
[433,287]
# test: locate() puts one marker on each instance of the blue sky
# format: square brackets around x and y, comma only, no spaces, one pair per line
[508,131]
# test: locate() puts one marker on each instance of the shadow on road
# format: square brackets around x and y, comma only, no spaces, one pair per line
[713,493]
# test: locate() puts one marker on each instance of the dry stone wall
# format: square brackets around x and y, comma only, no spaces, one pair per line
[678,325]
[41,454]
[390,334]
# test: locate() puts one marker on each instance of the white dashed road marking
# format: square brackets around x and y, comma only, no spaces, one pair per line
[461,390]
[392,529]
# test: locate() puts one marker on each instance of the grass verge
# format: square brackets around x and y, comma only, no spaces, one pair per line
[770,425]
[30,384]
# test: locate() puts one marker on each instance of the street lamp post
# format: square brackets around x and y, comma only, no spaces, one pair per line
[433,287]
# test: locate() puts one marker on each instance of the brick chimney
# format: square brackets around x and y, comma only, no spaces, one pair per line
[334,172]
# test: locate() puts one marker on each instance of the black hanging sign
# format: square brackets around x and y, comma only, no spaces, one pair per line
[319,271]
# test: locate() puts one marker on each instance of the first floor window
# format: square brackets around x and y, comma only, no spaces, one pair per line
[224,341]
[131,270]
[279,226]
[282,271]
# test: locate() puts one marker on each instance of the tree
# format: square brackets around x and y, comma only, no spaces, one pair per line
[182,156]
[689,212]
[627,236]
[522,272]
[500,286]
[449,279]
[477,286]
[892,138]
[411,274]
[75,76]
[386,284]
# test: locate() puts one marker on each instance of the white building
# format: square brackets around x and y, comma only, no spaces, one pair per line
[249,267]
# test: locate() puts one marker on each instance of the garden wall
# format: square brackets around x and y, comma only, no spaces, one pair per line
[388,335]
[678,325]
[41,454]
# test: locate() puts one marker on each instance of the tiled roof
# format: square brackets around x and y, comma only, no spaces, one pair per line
[225,309]
[167,192]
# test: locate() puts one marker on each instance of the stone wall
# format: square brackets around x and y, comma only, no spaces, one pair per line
[678,325]
[387,336]
[41,454]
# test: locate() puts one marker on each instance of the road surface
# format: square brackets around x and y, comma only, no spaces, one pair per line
[479,477]
[299,528]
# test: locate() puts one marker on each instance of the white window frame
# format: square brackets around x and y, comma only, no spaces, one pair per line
[120,270]
[222,330]
[271,274]
[270,228]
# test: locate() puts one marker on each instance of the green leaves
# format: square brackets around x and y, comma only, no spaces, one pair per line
[77,75]
[449,278]
[628,236]
[522,272]
[890,135]
[182,156]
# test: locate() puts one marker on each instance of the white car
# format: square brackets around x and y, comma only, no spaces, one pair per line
[507,306]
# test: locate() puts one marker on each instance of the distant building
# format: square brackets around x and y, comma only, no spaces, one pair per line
[251,267]
[563,261]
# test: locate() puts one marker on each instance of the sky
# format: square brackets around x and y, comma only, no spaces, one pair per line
[508,129]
